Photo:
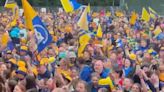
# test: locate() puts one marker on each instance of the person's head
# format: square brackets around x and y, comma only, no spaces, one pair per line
[81,86]
[136,88]
[23,50]
[9,54]
[51,52]
[95,78]
[98,66]
[127,84]
[64,64]
[113,56]
[143,43]
[19,88]
[50,83]
[3,67]
[103,90]
[127,63]
[11,84]
[30,82]
[86,55]
[74,72]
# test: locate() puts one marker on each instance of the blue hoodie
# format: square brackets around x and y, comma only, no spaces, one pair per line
[86,72]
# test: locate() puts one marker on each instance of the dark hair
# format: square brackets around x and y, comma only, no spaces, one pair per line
[30,82]
[12,83]
[32,90]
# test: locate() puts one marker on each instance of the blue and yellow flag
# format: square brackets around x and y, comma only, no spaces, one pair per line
[70,5]
[153,13]
[43,38]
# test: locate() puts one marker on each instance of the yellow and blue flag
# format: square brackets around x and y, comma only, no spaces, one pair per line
[70,5]
[153,13]
[43,38]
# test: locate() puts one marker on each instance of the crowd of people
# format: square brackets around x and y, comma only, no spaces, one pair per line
[128,58]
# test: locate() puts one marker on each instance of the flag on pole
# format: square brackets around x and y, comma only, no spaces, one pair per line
[83,21]
[133,18]
[70,5]
[84,39]
[153,13]
[43,38]
[99,32]
[145,15]
[89,8]
[157,31]
[10,4]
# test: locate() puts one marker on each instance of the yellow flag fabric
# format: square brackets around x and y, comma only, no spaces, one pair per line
[4,39]
[83,41]
[99,32]
[66,5]
[152,12]
[133,18]
[145,15]
[89,8]
[83,21]
[157,31]
[29,14]
[10,4]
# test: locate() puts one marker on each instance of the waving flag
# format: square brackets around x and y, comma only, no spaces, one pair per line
[99,32]
[70,5]
[43,38]
[145,15]
[11,4]
[84,38]
[133,18]
[153,13]
[83,21]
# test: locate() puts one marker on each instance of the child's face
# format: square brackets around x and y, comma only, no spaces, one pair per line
[95,80]
[127,63]
[143,43]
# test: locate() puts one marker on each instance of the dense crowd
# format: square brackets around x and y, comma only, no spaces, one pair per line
[128,58]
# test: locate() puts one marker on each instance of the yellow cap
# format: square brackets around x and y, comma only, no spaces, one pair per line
[132,56]
[24,48]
